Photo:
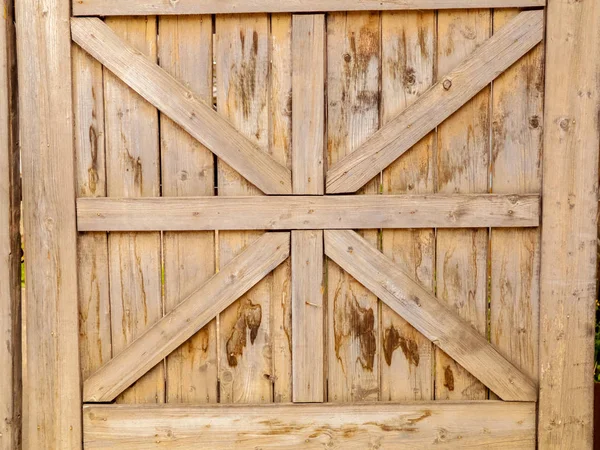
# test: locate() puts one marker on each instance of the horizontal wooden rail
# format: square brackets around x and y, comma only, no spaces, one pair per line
[419,425]
[161,7]
[308,212]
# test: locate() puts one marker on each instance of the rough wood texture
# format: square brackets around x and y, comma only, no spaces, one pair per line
[308,342]
[187,168]
[463,167]
[52,400]
[181,104]
[10,240]
[189,316]
[408,56]
[308,103]
[300,212]
[516,166]
[490,425]
[429,315]
[132,169]
[353,68]
[569,244]
[459,84]
[143,7]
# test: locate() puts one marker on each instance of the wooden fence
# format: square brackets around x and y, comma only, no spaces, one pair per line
[197,274]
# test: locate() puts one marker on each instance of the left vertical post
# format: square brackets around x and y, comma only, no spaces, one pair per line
[10,242]
[52,399]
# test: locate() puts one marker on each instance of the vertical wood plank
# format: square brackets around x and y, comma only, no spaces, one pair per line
[517,106]
[280,143]
[10,240]
[307,315]
[132,167]
[308,104]
[353,66]
[408,56]
[462,165]
[52,403]
[242,57]
[187,169]
[569,230]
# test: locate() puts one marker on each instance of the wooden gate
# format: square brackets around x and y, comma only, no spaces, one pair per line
[232,294]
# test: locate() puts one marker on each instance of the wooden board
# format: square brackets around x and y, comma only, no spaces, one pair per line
[420,425]
[423,311]
[462,167]
[143,7]
[52,400]
[408,56]
[10,240]
[353,68]
[457,84]
[187,168]
[132,169]
[305,212]
[569,235]
[308,343]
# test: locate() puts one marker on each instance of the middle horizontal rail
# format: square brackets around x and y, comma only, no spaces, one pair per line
[308,212]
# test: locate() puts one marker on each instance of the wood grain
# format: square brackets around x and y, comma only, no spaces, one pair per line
[143,7]
[308,343]
[428,315]
[454,89]
[569,235]
[189,316]
[52,399]
[307,212]
[419,425]
[308,103]
[181,104]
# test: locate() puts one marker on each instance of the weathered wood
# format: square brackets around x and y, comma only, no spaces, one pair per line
[307,212]
[308,103]
[428,315]
[52,400]
[462,166]
[434,106]
[307,316]
[408,57]
[517,107]
[144,7]
[189,316]
[187,168]
[419,425]
[10,240]
[181,104]
[569,244]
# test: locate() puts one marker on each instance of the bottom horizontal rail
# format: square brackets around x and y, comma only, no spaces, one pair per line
[474,424]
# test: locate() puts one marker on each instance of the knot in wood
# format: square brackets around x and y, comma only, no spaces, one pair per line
[447,84]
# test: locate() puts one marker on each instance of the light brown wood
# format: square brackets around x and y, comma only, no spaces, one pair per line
[455,88]
[419,425]
[307,212]
[181,104]
[189,316]
[408,56]
[52,399]
[143,7]
[10,240]
[308,103]
[569,244]
[307,316]
[463,148]
[443,326]
[187,168]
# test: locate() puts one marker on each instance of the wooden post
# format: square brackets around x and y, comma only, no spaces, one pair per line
[569,243]
[10,242]
[52,404]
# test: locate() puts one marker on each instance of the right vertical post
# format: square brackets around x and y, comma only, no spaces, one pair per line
[569,225]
